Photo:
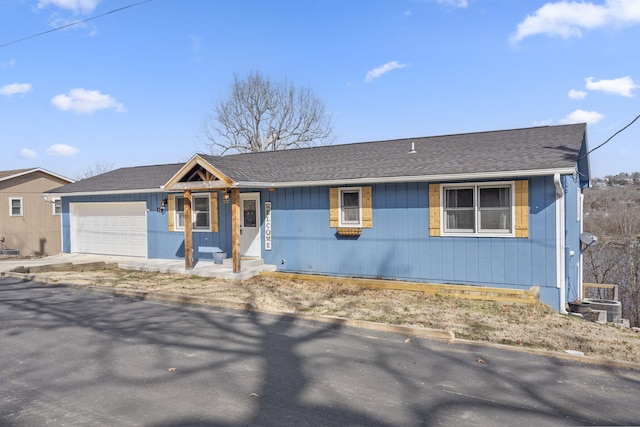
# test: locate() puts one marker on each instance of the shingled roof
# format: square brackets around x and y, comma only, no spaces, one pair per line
[529,149]
[538,150]
[131,179]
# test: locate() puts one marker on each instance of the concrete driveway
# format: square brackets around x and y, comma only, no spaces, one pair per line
[77,357]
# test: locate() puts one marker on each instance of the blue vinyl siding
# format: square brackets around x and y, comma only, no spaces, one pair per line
[399,246]
[572,187]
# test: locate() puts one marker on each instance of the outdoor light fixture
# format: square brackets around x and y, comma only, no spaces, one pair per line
[225,196]
[163,205]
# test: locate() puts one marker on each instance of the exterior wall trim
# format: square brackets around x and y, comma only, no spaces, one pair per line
[560,256]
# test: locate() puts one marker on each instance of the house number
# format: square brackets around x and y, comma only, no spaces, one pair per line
[267,226]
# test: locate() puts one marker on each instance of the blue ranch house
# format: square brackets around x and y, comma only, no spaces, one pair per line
[500,208]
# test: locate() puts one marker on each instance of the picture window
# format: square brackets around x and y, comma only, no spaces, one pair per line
[478,209]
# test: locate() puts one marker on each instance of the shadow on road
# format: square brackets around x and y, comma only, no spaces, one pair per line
[149,363]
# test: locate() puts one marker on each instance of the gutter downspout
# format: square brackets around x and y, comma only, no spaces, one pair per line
[560,256]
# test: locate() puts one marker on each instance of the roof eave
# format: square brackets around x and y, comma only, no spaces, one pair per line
[105,192]
[416,178]
[27,172]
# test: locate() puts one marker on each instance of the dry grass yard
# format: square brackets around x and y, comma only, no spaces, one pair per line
[516,325]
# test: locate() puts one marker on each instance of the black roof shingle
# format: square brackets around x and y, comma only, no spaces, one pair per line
[549,147]
[527,149]
[124,179]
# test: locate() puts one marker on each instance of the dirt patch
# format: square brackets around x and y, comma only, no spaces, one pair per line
[517,325]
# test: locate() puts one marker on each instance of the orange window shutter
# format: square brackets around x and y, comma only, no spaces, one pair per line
[334,215]
[434,210]
[522,208]
[213,211]
[367,208]
[171,212]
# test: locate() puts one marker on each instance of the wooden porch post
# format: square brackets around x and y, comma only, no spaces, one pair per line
[188,235]
[235,228]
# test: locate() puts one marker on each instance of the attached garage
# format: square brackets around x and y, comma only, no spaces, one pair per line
[109,228]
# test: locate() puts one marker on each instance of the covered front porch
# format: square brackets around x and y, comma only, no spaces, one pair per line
[200,181]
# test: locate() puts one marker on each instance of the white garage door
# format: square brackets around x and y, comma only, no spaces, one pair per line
[109,228]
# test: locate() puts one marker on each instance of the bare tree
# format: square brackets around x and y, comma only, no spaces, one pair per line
[98,168]
[603,263]
[259,115]
[616,257]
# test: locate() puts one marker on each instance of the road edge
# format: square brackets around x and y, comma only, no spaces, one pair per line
[427,333]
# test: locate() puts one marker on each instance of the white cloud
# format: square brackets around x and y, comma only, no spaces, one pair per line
[383,69]
[621,86]
[543,122]
[577,94]
[454,3]
[27,153]
[76,6]
[14,88]
[61,150]
[86,101]
[56,20]
[581,116]
[9,63]
[570,18]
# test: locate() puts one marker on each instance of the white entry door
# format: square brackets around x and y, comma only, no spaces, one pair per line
[250,245]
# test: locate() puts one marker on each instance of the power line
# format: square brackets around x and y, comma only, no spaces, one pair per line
[610,138]
[74,23]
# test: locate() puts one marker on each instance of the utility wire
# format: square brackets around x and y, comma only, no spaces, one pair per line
[74,23]
[610,138]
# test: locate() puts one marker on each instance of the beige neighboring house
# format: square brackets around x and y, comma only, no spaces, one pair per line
[28,222]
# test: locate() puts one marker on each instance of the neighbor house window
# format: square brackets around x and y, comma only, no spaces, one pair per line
[15,206]
[350,207]
[478,209]
[57,207]
[200,211]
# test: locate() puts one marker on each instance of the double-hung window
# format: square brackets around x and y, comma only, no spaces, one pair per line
[350,210]
[201,212]
[15,206]
[350,206]
[201,215]
[57,206]
[478,209]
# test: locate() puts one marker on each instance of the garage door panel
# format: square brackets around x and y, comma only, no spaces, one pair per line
[109,228]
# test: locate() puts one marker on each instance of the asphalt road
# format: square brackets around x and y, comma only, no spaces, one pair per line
[75,357]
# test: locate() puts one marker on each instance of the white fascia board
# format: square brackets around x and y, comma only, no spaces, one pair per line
[105,193]
[419,178]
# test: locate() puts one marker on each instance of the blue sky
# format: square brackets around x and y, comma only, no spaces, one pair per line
[133,87]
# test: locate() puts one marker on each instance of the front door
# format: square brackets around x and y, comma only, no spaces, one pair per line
[250,225]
